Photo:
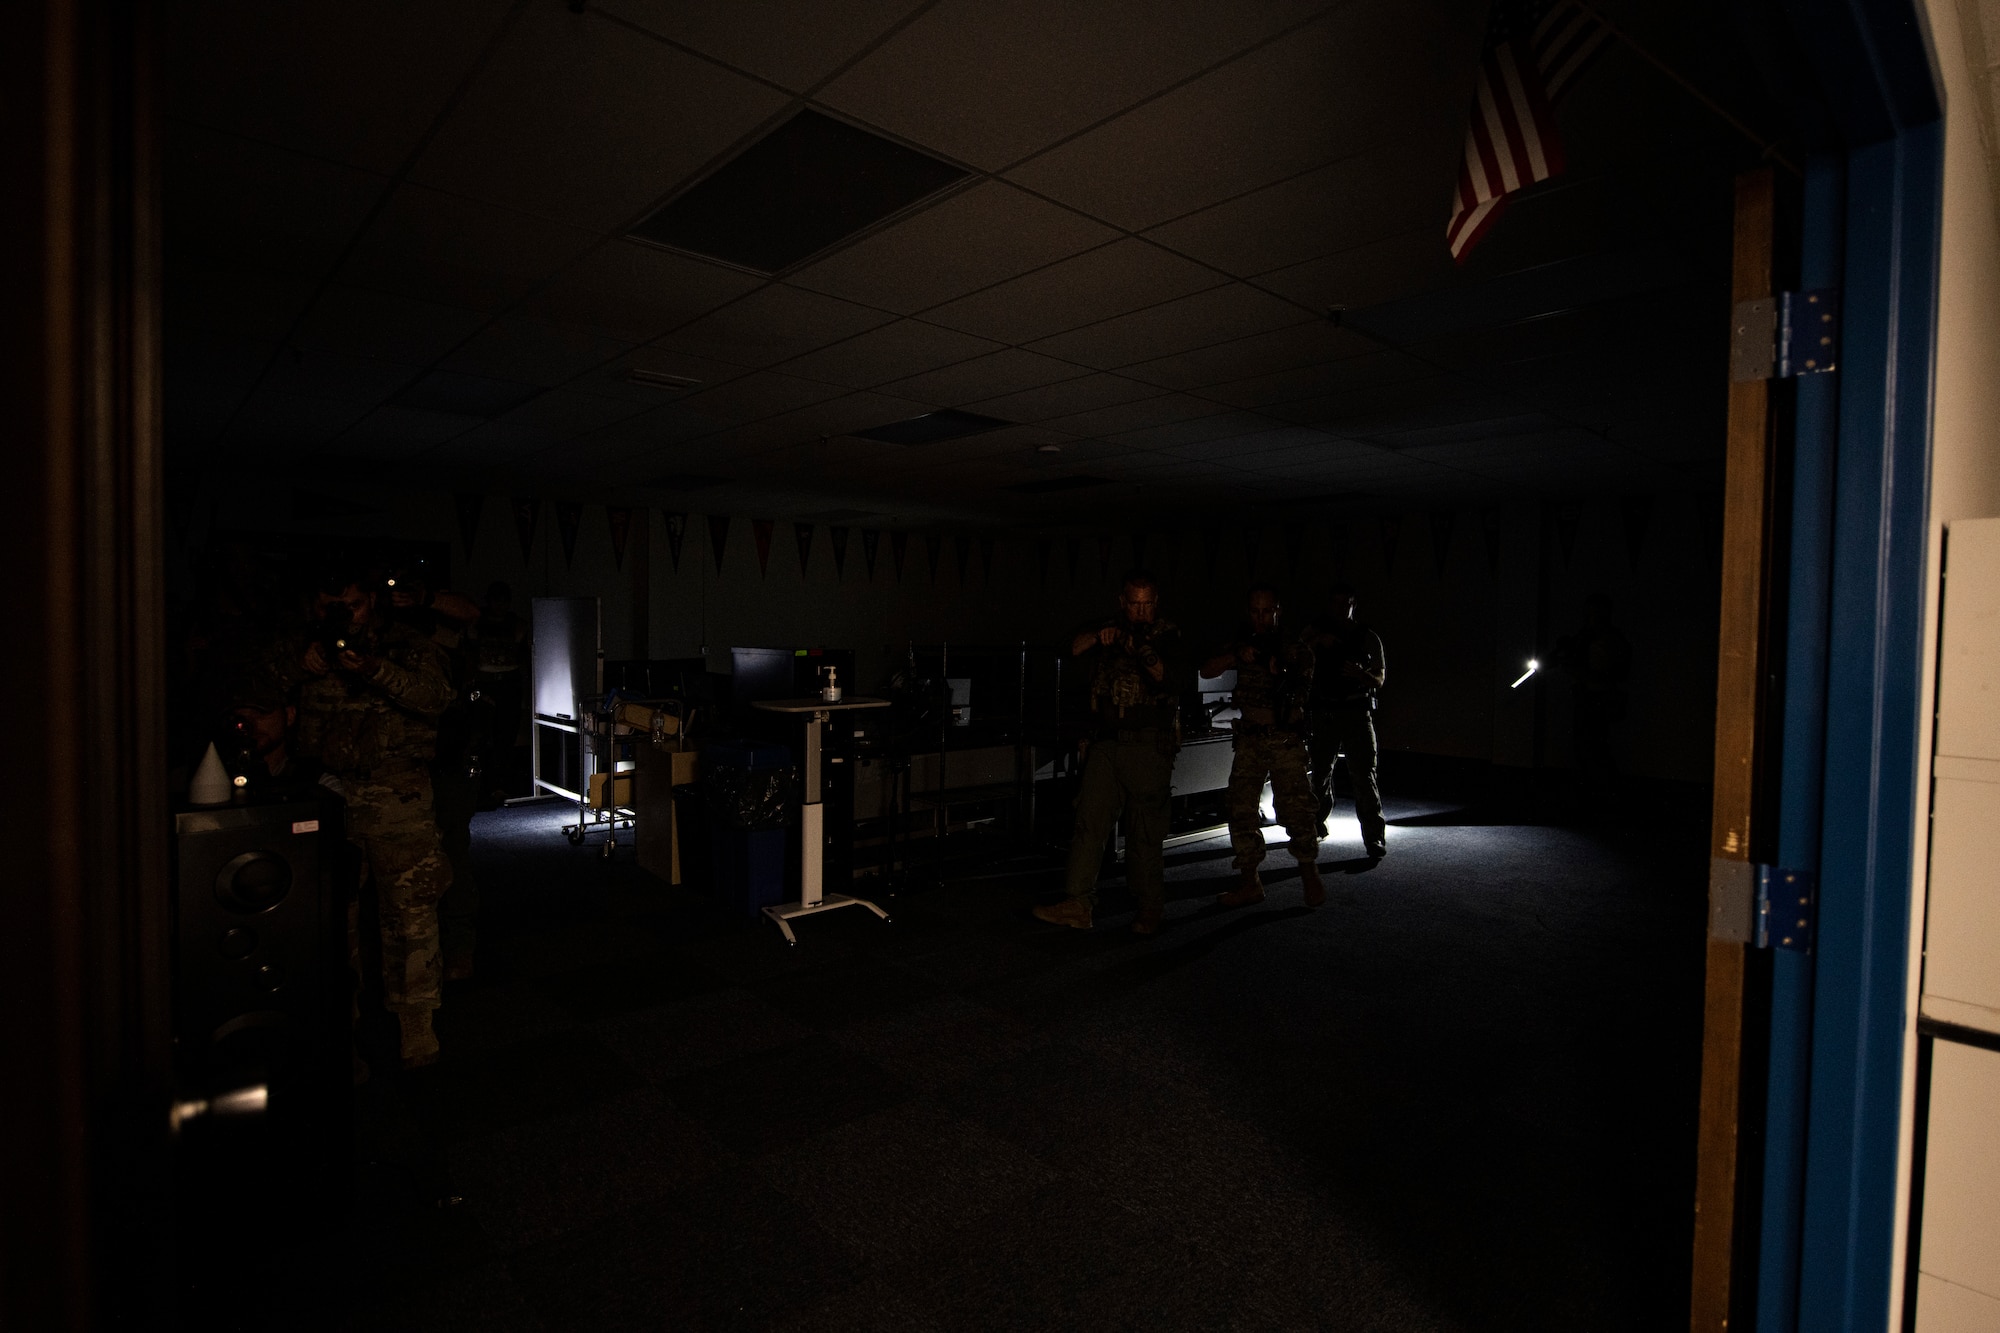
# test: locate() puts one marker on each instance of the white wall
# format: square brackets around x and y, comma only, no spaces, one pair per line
[1965,448]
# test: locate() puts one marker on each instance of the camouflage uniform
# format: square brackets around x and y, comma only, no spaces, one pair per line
[1270,742]
[455,789]
[1343,722]
[1130,764]
[377,736]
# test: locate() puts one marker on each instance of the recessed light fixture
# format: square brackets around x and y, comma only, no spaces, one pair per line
[660,379]
[1049,449]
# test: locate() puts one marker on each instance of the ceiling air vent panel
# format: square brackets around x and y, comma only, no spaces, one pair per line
[807,184]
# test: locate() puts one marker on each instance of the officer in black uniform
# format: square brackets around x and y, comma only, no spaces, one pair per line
[1348,671]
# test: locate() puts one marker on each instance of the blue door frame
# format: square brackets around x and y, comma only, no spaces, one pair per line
[1849,783]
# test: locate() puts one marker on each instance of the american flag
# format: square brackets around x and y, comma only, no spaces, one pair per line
[1534,51]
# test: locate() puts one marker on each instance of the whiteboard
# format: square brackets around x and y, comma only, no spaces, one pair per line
[565,654]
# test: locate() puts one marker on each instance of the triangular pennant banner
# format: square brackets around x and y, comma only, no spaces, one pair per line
[1489,519]
[620,520]
[871,540]
[527,514]
[718,536]
[838,536]
[899,546]
[1104,544]
[677,531]
[986,560]
[1567,517]
[963,543]
[934,547]
[1638,523]
[468,506]
[804,532]
[1075,552]
[1044,548]
[569,518]
[1442,522]
[761,528]
[1392,536]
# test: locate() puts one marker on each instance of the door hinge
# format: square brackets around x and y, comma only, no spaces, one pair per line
[1768,907]
[1784,336]
[1787,908]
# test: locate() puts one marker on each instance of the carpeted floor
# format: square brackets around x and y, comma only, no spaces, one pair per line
[1460,1096]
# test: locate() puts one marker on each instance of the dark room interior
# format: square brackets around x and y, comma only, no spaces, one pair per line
[660,355]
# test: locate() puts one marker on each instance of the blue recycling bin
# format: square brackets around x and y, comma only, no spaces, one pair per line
[751,799]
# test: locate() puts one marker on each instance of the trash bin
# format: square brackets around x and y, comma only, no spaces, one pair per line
[749,796]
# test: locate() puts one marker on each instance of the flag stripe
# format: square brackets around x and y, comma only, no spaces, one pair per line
[1527,127]
[1511,137]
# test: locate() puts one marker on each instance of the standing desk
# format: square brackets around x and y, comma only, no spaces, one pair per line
[812,814]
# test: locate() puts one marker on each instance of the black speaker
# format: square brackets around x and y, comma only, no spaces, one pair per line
[261,1000]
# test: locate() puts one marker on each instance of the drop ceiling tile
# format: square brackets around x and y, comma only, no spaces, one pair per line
[317,373]
[1220,315]
[969,240]
[439,247]
[772,324]
[988,83]
[892,352]
[1366,400]
[1363,275]
[357,82]
[1312,342]
[286,425]
[1120,418]
[399,433]
[1318,381]
[585,121]
[243,303]
[205,377]
[230,202]
[1099,284]
[362,323]
[754,397]
[1367,198]
[534,351]
[636,292]
[1009,370]
[614,379]
[1373,73]
[1220,426]
[549,419]
[791,42]
[1063,398]
[835,417]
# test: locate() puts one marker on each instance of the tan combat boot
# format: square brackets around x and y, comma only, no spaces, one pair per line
[1250,891]
[1315,887]
[420,1044]
[1072,912]
[1147,922]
